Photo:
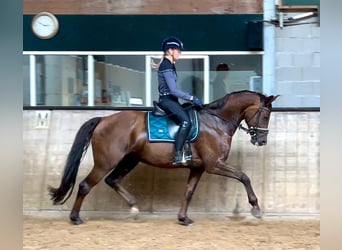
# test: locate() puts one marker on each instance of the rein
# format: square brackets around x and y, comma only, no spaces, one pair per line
[217,115]
[253,130]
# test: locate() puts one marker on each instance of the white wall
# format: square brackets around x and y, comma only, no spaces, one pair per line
[298,64]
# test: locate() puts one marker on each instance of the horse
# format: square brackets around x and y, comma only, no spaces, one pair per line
[119,142]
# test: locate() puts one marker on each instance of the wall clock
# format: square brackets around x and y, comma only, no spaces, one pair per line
[45,25]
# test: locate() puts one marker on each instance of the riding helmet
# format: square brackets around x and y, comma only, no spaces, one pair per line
[172,43]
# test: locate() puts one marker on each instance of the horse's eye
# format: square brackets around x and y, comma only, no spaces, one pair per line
[266,118]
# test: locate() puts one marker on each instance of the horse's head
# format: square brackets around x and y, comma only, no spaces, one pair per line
[253,107]
[257,118]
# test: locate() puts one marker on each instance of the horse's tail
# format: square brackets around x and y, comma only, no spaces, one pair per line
[78,149]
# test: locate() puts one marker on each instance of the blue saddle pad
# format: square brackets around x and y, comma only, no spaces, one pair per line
[164,129]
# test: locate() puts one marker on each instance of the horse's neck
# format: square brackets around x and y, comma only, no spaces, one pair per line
[234,111]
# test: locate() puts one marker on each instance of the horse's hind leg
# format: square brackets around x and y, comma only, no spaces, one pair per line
[194,177]
[115,177]
[84,188]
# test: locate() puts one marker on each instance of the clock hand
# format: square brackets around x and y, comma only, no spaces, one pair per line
[43,24]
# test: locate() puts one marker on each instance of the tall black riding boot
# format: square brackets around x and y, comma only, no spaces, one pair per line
[179,143]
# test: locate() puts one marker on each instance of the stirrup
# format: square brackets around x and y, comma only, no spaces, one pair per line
[181,159]
[188,152]
[178,160]
[188,157]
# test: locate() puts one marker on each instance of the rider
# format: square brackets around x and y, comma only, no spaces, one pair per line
[169,93]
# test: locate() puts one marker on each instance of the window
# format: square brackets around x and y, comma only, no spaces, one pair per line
[120,80]
[126,79]
[230,73]
[58,81]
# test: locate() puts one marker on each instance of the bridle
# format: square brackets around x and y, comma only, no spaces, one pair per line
[254,131]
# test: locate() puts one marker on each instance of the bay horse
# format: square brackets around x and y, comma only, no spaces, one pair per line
[119,142]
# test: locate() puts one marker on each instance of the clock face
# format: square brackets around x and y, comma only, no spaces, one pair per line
[45,25]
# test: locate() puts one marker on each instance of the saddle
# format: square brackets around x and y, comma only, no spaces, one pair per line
[161,127]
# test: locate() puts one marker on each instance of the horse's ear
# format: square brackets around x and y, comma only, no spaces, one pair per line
[270,99]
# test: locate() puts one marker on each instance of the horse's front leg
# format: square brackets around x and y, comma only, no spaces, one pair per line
[194,177]
[231,172]
[253,200]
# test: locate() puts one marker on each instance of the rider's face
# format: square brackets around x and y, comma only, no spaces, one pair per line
[175,54]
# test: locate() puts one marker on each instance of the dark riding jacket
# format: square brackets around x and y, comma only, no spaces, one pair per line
[167,80]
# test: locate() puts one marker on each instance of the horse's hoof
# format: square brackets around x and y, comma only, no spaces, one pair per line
[256,212]
[75,218]
[76,221]
[186,221]
[135,212]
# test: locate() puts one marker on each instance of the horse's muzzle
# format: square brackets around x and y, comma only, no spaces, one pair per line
[258,143]
[258,136]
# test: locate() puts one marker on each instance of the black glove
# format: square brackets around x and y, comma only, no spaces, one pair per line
[197,102]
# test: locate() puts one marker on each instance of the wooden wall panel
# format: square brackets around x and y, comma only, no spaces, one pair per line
[144,6]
